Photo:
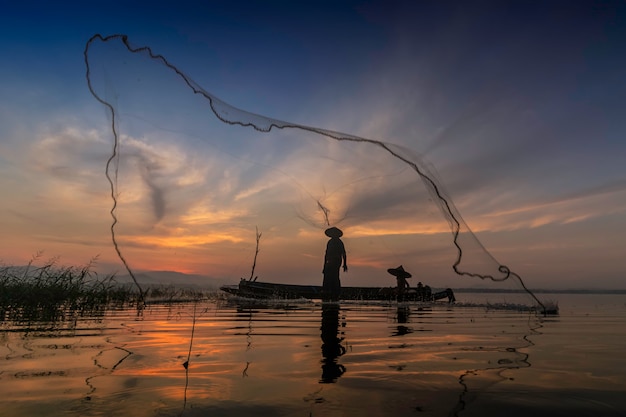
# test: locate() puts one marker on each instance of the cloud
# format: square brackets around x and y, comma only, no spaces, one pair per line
[600,201]
[192,187]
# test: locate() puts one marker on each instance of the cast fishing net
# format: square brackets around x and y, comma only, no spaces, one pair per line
[192,178]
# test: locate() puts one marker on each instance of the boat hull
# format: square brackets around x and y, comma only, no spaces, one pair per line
[266,290]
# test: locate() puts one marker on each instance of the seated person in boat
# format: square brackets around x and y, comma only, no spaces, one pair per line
[424,293]
[402,285]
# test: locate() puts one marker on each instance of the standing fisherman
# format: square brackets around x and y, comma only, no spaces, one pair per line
[335,255]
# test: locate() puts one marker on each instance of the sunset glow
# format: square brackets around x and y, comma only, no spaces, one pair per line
[526,144]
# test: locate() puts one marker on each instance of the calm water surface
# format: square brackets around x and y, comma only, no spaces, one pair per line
[308,359]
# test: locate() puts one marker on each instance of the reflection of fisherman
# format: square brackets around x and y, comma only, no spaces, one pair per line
[402,284]
[331,344]
[335,255]
[403,314]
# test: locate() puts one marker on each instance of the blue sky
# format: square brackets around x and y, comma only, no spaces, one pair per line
[515,107]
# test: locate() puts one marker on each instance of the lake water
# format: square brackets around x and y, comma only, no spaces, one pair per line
[311,359]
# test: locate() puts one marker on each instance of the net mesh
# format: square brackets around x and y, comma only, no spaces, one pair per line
[194,180]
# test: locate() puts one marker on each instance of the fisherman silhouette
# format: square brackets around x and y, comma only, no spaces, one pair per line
[335,255]
[402,284]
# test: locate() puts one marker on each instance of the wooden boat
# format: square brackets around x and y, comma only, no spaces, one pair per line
[257,290]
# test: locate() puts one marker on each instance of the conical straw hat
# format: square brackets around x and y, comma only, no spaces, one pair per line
[399,272]
[333,232]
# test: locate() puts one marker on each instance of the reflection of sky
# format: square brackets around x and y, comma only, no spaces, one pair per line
[517,108]
[138,361]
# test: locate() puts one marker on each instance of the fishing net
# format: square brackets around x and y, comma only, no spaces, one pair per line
[193,179]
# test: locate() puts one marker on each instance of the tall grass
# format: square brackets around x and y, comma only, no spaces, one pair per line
[54,293]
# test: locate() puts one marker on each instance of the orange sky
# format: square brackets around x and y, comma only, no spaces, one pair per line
[525,144]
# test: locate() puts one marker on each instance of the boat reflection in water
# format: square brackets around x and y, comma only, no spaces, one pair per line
[332,348]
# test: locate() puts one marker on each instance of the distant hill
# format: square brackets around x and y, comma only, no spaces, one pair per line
[145,278]
[178,279]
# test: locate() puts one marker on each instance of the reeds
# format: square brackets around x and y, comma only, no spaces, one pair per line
[51,293]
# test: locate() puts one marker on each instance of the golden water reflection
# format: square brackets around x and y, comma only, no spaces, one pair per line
[302,359]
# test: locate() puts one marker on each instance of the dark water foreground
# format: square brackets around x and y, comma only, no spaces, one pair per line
[220,358]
